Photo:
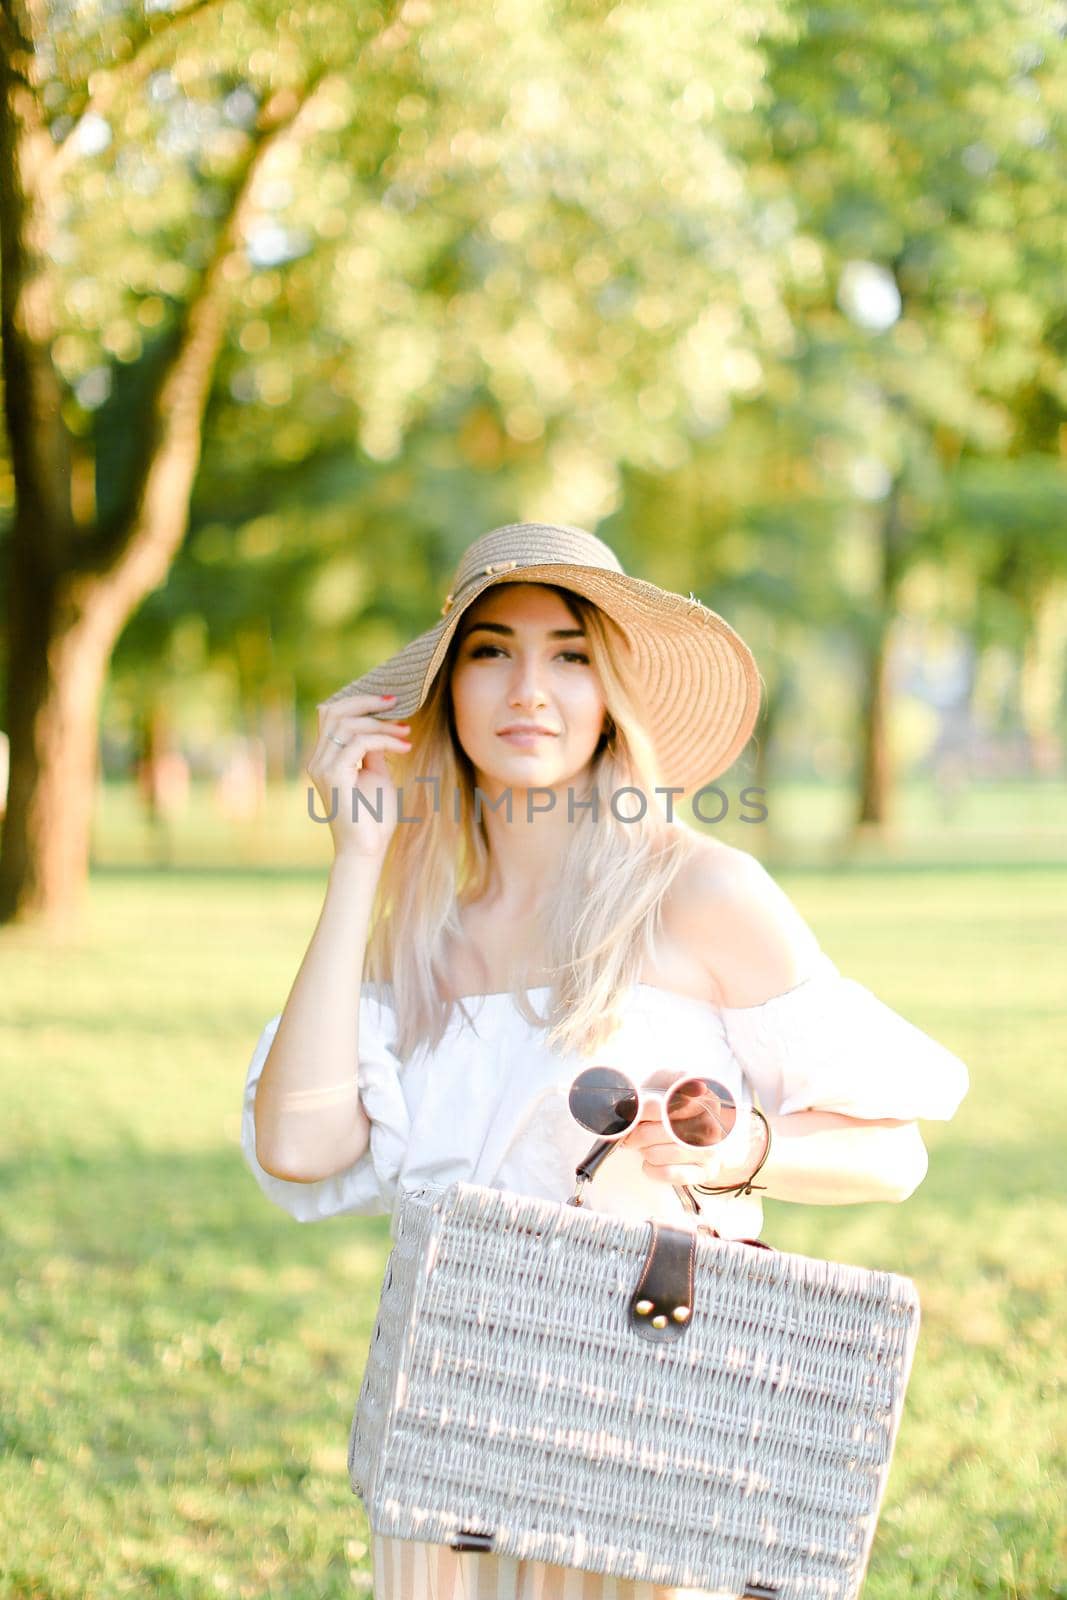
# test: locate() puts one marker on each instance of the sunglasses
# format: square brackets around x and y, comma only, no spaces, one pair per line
[698,1112]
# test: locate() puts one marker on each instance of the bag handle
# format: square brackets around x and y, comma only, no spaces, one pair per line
[662,1302]
[587,1169]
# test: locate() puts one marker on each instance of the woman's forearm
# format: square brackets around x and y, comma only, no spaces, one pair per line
[823,1158]
[309,1121]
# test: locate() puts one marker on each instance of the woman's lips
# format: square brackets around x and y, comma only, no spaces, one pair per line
[526,737]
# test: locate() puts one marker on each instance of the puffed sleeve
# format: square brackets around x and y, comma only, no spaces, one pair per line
[368,1187]
[831,1045]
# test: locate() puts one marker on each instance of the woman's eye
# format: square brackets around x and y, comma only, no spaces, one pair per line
[494,649]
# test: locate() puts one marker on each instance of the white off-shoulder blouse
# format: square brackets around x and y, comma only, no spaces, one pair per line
[489,1104]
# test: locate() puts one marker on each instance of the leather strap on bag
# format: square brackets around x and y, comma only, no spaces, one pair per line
[661,1306]
[662,1303]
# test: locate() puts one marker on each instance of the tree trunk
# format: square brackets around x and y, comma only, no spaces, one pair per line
[876,775]
[762,767]
[56,667]
[278,727]
[71,587]
[1041,675]
[875,801]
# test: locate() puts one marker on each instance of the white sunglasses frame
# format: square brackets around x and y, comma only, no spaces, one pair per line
[661,1092]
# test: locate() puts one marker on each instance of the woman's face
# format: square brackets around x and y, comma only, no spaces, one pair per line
[522,658]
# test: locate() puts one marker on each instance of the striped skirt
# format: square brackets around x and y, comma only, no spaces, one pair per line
[406,1569]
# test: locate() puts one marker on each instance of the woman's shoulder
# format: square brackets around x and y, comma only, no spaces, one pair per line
[740,925]
[724,874]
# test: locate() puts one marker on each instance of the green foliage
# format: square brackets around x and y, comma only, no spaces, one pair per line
[726,281]
[533,201]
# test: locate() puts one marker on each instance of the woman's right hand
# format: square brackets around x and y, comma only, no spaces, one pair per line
[360,764]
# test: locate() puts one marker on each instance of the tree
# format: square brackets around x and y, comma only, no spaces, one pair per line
[916,154]
[535,202]
[75,573]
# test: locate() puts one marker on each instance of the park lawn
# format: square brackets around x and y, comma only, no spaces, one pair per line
[806,820]
[180,1359]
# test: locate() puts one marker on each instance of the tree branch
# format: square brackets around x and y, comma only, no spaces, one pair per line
[139,545]
[126,75]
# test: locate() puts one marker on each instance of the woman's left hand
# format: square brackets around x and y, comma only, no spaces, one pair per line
[667,1160]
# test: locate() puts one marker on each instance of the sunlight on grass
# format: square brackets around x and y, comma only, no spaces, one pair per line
[180,1359]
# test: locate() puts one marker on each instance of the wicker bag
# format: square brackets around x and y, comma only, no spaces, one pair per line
[655,1402]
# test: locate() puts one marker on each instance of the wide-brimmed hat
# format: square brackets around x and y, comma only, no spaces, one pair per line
[700,687]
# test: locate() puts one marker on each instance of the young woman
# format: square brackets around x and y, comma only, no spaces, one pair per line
[530,902]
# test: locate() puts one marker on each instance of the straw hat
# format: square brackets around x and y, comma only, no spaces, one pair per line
[700,684]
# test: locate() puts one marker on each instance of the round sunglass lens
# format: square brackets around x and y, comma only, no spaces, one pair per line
[603,1101]
[701,1111]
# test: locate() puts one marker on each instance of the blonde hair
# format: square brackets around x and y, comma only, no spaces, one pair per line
[605,917]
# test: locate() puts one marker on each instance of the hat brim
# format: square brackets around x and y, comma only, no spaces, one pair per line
[700,683]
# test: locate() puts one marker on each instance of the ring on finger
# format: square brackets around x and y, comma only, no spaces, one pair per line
[341,742]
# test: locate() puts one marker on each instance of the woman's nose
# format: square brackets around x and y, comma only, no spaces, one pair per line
[526,686]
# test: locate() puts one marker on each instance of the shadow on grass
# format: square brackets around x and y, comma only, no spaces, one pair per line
[178,1371]
[130,1206]
[130,1203]
[182,1360]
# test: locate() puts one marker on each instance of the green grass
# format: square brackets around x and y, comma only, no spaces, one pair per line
[180,1359]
